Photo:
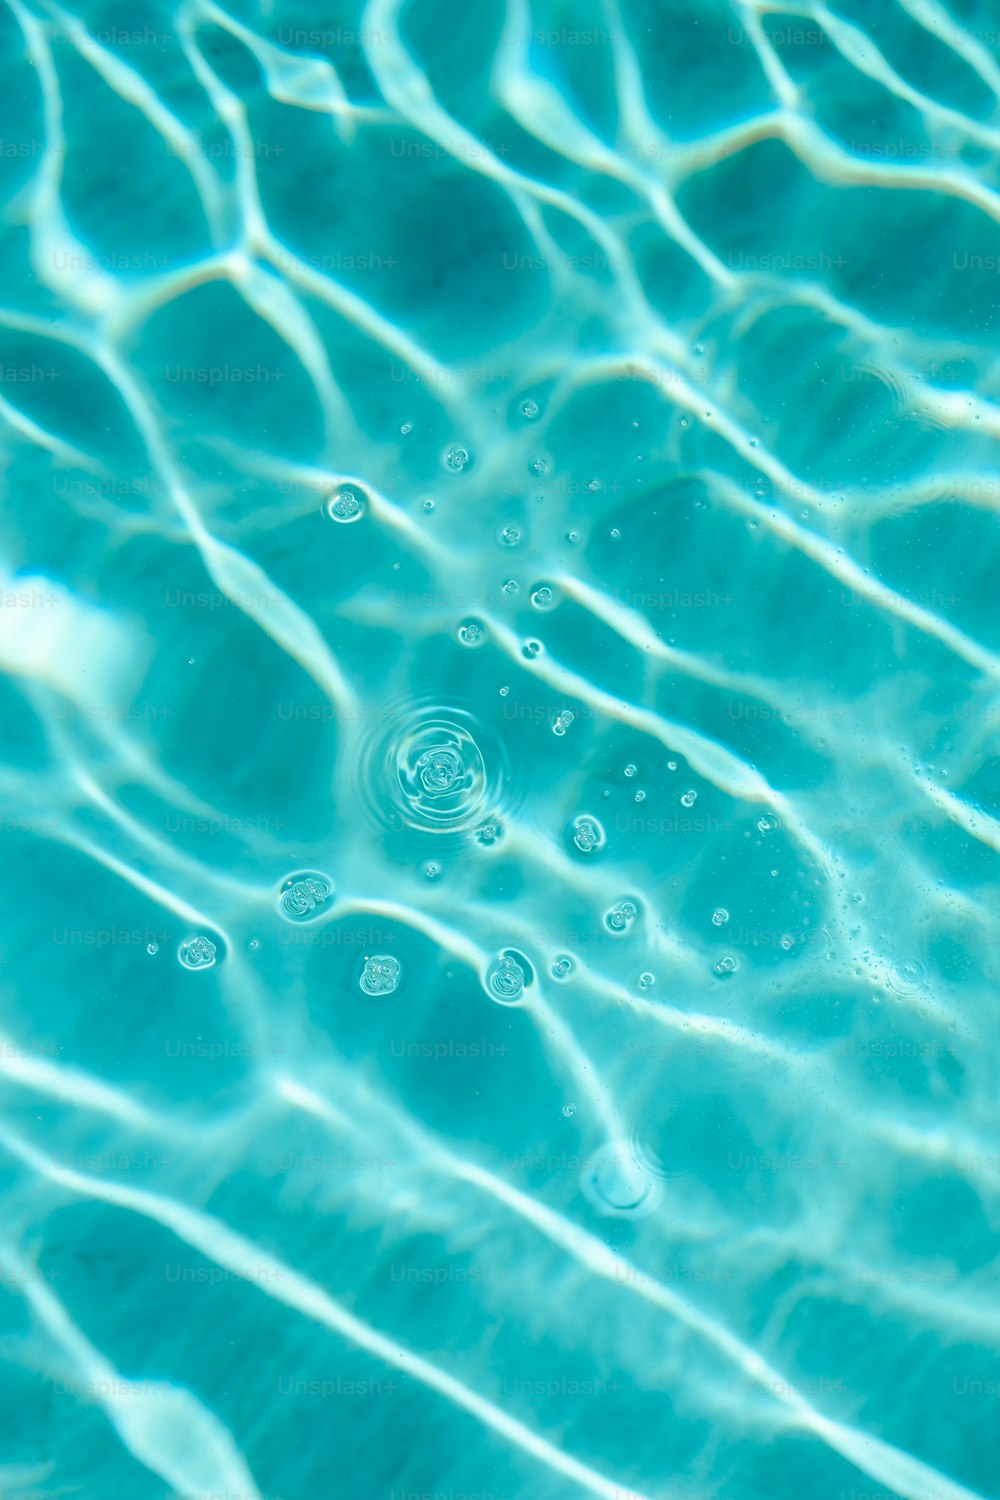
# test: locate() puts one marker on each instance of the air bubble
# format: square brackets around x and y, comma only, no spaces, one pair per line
[615,1183]
[907,977]
[562,722]
[614,533]
[593,485]
[562,968]
[646,981]
[428,506]
[406,429]
[510,536]
[569,1110]
[543,597]
[254,945]
[504,691]
[630,769]
[531,648]
[197,953]
[431,870]
[766,824]
[471,633]
[587,835]
[539,466]
[509,585]
[688,799]
[489,833]
[456,459]
[345,506]
[725,967]
[380,975]
[303,895]
[506,979]
[530,409]
[720,917]
[620,918]
[639,797]
[152,948]
[573,537]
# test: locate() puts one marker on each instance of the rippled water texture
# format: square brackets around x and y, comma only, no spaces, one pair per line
[499,773]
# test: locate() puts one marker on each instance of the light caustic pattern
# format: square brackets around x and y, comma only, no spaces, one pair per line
[500,797]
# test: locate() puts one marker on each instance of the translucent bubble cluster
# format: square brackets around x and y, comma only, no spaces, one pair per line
[620,918]
[489,833]
[197,953]
[561,722]
[543,597]
[303,895]
[587,835]
[646,981]
[688,799]
[506,979]
[720,917]
[457,459]
[345,506]
[380,975]
[471,633]
[562,968]
[766,823]
[529,409]
[725,967]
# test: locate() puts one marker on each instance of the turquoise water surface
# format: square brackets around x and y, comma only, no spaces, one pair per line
[500,782]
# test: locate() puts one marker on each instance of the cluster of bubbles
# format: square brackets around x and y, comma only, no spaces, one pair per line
[380,975]
[562,968]
[588,835]
[530,409]
[302,895]
[197,953]
[543,597]
[345,506]
[532,649]
[456,459]
[646,980]
[720,917]
[506,979]
[766,823]
[539,466]
[620,918]
[471,633]
[631,769]
[440,775]
[688,799]
[489,833]
[562,721]
[509,586]
[510,536]
[907,977]
[725,967]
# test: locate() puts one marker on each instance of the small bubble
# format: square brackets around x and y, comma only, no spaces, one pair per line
[725,967]
[573,537]
[639,797]
[406,429]
[431,870]
[685,421]
[720,917]
[254,945]
[569,1110]
[428,506]
[531,648]
[631,769]
[562,967]
[766,824]
[671,765]
[543,597]
[345,506]
[456,459]
[787,942]
[471,633]
[593,485]
[510,536]
[504,691]
[152,947]
[646,981]
[529,409]
[753,442]
[614,533]
[689,799]
[197,953]
[539,466]
[380,975]
[509,586]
